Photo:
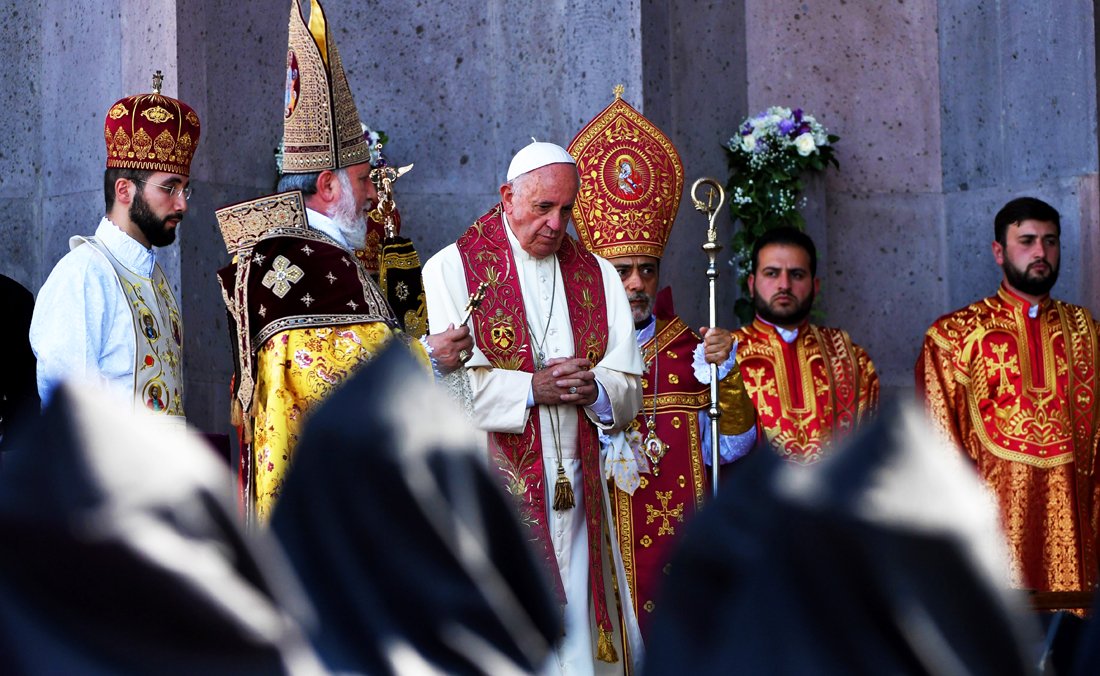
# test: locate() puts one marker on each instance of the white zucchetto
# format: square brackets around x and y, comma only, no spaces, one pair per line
[535,155]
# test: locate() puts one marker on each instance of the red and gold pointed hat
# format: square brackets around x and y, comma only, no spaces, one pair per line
[631,182]
[321,127]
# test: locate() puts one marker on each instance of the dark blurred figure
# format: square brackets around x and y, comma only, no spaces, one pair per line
[1087,660]
[122,555]
[18,390]
[883,559]
[410,553]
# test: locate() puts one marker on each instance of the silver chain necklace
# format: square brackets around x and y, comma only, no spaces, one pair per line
[539,345]
[652,446]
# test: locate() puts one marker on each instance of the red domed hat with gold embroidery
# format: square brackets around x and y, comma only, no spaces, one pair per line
[151,132]
[631,182]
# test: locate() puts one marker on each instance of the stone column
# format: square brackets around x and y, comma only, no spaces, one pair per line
[1019,105]
[870,74]
[21,157]
[693,56]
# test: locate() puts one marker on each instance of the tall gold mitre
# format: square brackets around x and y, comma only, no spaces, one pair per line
[631,182]
[321,127]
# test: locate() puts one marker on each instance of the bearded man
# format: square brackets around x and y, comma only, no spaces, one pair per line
[1011,381]
[305,313]
[810,385]
[106,313]
[658,463]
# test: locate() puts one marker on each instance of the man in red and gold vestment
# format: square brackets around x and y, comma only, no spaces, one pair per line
[810,385]
[658,462]
[305,312]
[1011,380]
[554,361]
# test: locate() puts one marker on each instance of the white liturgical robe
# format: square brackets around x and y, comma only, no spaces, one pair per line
[500,404]
[82,327]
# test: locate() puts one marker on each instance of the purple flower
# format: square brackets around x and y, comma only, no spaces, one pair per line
[785,127]
[797,114]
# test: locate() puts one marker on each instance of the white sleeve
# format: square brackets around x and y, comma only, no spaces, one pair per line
[71,320]
[730,447]
[619,372]
[499,395]
[701,368]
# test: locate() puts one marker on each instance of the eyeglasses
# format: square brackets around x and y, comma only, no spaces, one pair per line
[172,191]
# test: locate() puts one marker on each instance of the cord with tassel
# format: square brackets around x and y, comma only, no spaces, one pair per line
[563,492]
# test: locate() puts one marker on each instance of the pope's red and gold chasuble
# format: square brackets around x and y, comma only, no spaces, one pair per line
[807,393]
[1018,395]
[500,329]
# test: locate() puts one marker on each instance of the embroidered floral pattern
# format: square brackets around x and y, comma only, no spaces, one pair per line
[295,370]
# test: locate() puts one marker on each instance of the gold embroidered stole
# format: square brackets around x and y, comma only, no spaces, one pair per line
[500,328]
[1013,397]
[158,334]
[843,374]
[1079,332]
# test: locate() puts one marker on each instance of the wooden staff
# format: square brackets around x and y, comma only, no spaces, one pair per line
[712,247]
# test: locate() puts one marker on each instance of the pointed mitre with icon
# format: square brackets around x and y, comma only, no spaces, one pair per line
[631,182]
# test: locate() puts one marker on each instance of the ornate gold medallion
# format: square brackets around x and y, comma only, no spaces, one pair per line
[655,449]
[117,111]
[157,115]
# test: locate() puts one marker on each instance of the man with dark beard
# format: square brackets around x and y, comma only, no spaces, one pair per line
[658,462]
[1012,380]
[107,314]
[811,385]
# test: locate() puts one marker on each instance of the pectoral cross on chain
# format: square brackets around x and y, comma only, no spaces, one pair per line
[474,301]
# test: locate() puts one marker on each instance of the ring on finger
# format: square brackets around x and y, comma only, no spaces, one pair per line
[573,390]
[463,356]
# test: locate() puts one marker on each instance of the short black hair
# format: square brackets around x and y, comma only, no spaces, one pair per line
[787,236]
[1024,209]
[112,175]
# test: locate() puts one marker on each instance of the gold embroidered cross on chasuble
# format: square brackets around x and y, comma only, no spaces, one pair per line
[1018,395]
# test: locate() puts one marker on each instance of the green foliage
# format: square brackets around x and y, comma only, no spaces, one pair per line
[767,159]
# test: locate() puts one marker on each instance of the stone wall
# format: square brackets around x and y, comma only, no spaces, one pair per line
[21,146]
[945,110]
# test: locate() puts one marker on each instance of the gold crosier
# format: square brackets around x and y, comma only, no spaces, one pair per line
[711,247]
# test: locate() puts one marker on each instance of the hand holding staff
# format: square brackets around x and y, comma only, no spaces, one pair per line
[712,247]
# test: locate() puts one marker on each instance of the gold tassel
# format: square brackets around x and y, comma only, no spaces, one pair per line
[563,492]
[236,413]
[246,423]
[605,649]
